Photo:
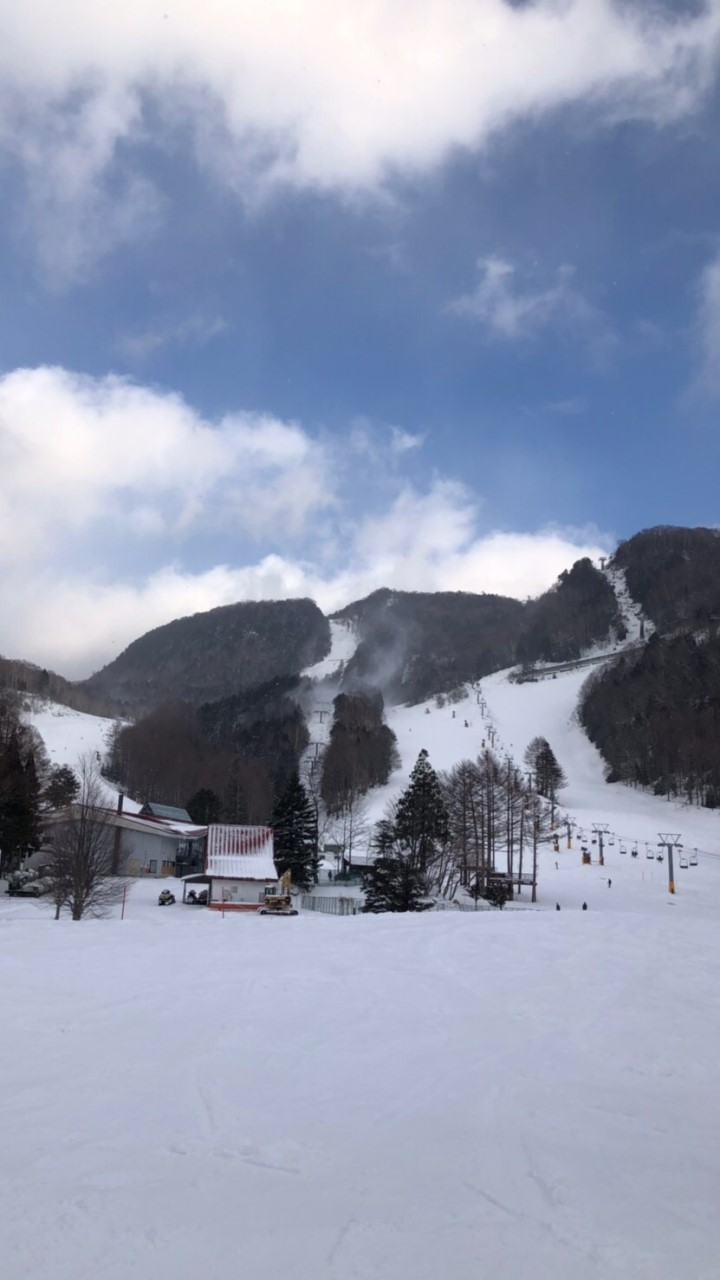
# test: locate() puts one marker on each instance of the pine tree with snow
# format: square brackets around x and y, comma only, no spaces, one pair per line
[295,831]
[421,819]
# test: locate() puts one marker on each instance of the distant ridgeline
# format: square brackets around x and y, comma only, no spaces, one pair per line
[25,677]
[222,692]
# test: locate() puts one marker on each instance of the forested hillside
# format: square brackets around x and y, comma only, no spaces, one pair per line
[216,654]
[577,613]
[655,717]
[241,751]
[674,574]
[414,644]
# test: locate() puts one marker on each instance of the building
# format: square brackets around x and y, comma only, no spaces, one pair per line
[150,846]
[239,867]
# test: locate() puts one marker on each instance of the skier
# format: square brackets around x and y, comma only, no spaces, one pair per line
[584,906]
[609,884]
[557,906]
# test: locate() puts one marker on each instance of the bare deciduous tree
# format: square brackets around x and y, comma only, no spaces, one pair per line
[83,858]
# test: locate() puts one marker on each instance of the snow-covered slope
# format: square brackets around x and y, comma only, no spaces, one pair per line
[343,643]
[638,626]
[503,1095]
[318,707]
[516,713]
[70,735]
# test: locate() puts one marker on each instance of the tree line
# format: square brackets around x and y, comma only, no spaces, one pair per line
[476,827]
[655,717]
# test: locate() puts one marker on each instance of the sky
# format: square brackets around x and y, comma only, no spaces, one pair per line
[313,297]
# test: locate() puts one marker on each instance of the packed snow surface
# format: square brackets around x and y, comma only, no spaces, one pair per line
[386,1098]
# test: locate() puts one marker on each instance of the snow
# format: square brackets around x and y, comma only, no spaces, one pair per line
[517,1094]
[343,643]
[506,1095]
[319,705]
[636,623]
[449,734]
[548,708]
[71,735]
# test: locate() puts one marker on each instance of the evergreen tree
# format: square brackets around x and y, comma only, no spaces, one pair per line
[421,819]
[394,883]
[549,777]
[19,803]
[296,834]
[204,807]
[62,788]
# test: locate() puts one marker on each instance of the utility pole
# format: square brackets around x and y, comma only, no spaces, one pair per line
[536,825]
[669,841]
[601,829]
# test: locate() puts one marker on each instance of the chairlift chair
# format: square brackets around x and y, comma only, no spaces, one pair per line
[683,861]
[694,858]
[611,841]
[623,850]
[648,852]
[635,848]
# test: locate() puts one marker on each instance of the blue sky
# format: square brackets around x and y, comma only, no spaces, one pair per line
[312,301]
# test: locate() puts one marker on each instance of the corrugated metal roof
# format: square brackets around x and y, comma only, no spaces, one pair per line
[240,853]
[168,811]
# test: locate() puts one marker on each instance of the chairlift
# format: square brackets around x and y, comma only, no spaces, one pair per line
[659,857]
[623,850]
[594,840]
[694,858]
[611,841]
[635,849]
[683,861]
[649,853]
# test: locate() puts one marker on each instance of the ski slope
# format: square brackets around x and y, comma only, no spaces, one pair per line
[516,713]
[70,736]
[343,643]
[503,1094]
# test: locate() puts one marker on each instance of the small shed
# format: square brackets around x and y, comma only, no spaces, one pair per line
[239,866]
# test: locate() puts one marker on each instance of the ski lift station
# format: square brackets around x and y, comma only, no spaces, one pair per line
[239,867]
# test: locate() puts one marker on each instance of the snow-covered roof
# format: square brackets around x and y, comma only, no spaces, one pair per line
[129,821]
[240,853]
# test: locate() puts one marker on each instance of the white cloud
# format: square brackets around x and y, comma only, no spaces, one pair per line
[196,330]
[327,94]
[79,454]
[92,467]
[512,313]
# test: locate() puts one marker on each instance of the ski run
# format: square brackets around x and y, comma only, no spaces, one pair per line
[522,1095]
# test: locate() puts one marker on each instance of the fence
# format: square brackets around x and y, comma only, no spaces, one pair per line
[331,906]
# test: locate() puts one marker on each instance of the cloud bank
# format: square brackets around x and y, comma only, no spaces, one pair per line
[110,487]
[328,95]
